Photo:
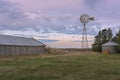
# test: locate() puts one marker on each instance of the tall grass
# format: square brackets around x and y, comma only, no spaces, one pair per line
[75,67]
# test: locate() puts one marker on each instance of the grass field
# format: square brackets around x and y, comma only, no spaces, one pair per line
[71,67]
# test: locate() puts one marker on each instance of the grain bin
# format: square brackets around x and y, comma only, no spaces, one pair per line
[109,47]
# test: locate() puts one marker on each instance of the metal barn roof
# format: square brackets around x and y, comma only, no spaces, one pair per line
[111,43]
[19,41]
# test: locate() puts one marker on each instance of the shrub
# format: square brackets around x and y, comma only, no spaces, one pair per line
[50,50]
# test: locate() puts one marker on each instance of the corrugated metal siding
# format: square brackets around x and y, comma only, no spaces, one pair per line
[110,46]
[111,49]
[11,45]
[21,41]
[110,43]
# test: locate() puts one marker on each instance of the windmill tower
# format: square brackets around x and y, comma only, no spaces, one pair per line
[84,19]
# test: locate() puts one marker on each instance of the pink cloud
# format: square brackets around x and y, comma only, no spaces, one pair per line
[49,4]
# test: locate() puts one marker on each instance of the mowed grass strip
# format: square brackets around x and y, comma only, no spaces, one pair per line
[72,67]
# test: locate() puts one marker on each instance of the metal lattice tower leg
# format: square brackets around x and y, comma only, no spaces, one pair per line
[84,38]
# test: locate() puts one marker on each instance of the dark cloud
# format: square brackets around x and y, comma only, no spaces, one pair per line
[11,16]
[91,3]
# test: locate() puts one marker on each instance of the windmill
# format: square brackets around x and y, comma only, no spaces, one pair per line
[84,19]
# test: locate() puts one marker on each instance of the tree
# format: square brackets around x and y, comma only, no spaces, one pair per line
[110,34]
[117,39]
[97,43]
[103,36]
[106,35]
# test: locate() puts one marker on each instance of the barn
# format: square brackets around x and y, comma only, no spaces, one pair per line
[110,47]
[12,45]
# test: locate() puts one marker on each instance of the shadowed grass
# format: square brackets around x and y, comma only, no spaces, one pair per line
[73,67]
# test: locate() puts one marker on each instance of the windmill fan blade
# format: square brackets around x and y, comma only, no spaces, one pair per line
[91,18]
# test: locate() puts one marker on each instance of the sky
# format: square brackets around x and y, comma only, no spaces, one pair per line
[56,22]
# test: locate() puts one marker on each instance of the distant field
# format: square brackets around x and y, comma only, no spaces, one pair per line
[58,67]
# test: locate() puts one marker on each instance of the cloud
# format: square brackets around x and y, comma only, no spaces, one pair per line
[13,17]
[10,14]
[57,19]
[91,3]
[48,4]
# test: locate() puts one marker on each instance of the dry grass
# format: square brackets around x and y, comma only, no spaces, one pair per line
[61,66]
[71,66]
[50,52]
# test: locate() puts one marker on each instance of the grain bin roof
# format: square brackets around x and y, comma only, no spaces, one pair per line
[111,43]
[19,41]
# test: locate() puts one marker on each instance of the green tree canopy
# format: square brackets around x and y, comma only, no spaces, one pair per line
[116,38]
[102,37]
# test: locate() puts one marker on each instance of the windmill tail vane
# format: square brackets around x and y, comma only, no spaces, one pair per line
[91,19]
